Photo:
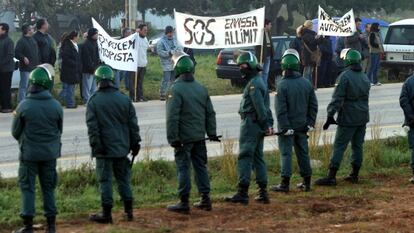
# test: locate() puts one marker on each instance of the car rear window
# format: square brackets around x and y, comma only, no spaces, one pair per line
[400,35]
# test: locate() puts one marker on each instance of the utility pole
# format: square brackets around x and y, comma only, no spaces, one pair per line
[132,14]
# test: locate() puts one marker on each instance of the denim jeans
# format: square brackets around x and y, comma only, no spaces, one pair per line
[308,72]
[68,94]
[122,75]
[265,72]
[374,67]
[24,83]
[166,82]
[88,86]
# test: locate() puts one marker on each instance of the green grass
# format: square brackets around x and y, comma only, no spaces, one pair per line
[154,182]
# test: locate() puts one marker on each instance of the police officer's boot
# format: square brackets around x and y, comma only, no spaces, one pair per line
[182,207]
[306,185]
[204,203]
[412,178]
[329,180]
[28,225]
[104,217]
[353,177]
[51,224]
[242,195]
[283,186]
[263,197]
[128,211]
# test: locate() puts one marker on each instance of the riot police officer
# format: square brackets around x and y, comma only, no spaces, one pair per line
[406,103]
[296,109]
[37,125]
[113,133]
[350,102]
[190,116]
[257,121]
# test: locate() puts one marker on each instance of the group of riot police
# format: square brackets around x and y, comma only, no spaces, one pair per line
[114,133]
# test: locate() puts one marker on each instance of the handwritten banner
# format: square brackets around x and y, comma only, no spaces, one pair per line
[328,26]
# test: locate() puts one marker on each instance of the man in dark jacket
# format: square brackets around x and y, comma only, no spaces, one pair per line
[265,51]
[407,104]
[190,115]
[355,41]
[325,78]
[257,121]
[113,133]
[90,61]
[296,109]
[28,54]
[37,125]
[6,68]
[350,102]
[45,43]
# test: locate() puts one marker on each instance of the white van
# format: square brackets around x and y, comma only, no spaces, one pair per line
[399,49]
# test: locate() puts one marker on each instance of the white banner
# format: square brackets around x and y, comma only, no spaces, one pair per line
[220,32]
[119,54]
[327,26]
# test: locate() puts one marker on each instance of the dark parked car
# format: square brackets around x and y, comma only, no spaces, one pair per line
[227,68]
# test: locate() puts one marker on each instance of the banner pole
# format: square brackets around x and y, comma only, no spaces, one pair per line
[136,85]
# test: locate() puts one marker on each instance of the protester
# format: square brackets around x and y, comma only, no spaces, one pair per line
[365,49]
[190,116]
[357,39]
[166,47]
[122,74]
[350,103]
[27,53]
[324,73]
[375,50]
[90,61]
[113,134]
[136,91]
[7,66]
[45,43]
[37,126]
[309,48]
[265,51]
[71,72]
[296,44]
[340,45]
[257,121]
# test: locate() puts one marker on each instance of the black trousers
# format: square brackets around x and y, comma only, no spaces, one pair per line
[5,89]
[136,91]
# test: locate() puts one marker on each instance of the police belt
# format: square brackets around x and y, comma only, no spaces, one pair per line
[251,115]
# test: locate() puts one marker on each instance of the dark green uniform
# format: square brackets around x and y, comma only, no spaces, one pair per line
[37,125]
[113,131]
[256,119]
[190,115]
[407,104]
[296,108]
[350,101]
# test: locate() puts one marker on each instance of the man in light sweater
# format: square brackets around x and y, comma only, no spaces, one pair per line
[136,92]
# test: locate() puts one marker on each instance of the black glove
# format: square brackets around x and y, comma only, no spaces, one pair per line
[329,121]
[135,149]
[214,138]
[176,144]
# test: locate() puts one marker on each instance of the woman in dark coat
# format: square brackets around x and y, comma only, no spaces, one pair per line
[71,68]
[309,45]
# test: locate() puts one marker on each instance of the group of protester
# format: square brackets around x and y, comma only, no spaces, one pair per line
[316,52]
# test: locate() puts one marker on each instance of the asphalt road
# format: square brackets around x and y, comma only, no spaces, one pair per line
[384,108]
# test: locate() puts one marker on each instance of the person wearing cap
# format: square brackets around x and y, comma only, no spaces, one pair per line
[296,109]
[407,105]
[166,47]
[113,133]
[256,122]
[350,103]
[37,125]
[190,116]
[90,61]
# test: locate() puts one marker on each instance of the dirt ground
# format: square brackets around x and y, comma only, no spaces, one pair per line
[389,208]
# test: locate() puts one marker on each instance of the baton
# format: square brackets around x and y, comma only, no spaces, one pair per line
[133,158]
[219,136]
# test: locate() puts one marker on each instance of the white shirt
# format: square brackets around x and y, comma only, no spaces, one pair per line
[75,45]
[143,46]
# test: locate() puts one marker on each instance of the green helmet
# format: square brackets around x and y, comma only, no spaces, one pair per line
[42,75]
[351,56]
[104,72]
[290,60]
[182,63]
[247,58]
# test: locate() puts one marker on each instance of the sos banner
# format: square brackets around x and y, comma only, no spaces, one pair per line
[119,54]
[328,26]
[231,31]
